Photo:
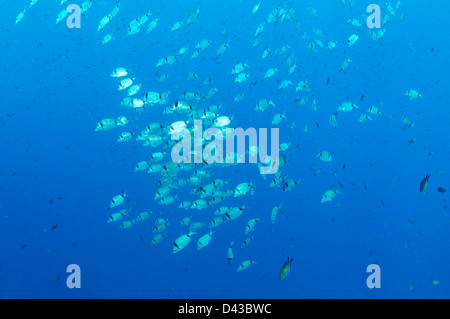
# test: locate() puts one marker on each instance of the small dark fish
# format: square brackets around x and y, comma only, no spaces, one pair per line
[424,183]
[286,268]
[441,189]
[53,227]
[144,240]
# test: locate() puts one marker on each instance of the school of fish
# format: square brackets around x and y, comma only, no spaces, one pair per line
[182,106]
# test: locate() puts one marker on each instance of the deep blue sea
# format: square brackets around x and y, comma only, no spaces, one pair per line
[58,174]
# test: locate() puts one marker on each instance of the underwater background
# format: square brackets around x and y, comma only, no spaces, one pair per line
[58,175]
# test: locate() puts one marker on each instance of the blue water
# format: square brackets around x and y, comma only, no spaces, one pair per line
[58,171]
